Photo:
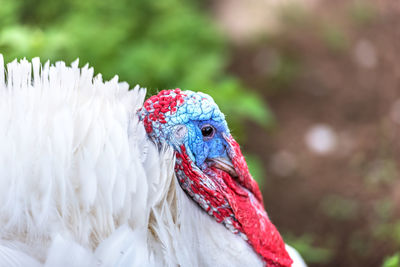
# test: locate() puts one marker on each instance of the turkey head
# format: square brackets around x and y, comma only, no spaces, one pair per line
[211,169]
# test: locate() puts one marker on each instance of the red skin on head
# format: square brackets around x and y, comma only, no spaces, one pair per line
[235,202]
[244,204]
[244,177]
[159,104]
[249,211]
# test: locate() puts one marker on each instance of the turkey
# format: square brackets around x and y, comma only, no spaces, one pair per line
[93,175]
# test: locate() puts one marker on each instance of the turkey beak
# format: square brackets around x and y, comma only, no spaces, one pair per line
[225,164]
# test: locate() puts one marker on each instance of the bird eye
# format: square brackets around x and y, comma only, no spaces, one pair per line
[207,131]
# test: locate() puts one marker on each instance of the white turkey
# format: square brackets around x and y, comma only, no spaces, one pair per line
[91,176]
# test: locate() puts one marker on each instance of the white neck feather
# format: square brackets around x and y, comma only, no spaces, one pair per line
[80,183]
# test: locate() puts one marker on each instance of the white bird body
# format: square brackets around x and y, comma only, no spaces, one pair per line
[82,185]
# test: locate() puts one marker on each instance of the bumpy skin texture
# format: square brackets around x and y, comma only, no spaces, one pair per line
[176,117]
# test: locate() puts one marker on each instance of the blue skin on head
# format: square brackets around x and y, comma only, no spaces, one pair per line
[204,148]
[225,191]
[184,127]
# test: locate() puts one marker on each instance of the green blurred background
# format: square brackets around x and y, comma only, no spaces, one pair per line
[311,89]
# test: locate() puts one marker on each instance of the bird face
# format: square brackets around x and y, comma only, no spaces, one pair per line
[211,169]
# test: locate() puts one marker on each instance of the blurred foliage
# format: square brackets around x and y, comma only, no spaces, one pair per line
[388,232]
[334,37]
[363,12]
[393,261]
[348,217]
[311,253]
[158,44]
[381,172]
[295,15]
[284,69]
[173,43]
[384,208]
[339,208]
[256,167]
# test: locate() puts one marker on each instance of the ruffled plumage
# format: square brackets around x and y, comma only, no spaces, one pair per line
[81,184]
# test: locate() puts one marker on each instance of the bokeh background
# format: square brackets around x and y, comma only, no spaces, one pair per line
[310,87]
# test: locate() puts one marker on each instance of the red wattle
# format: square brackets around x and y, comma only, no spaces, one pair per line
[237,200]
[261,233]
[249,211]
[244,177]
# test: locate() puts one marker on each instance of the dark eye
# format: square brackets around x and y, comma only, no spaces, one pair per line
[207,131]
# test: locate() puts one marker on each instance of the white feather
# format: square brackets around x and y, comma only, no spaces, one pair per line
[297,259]
[81,185]
[14,257]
